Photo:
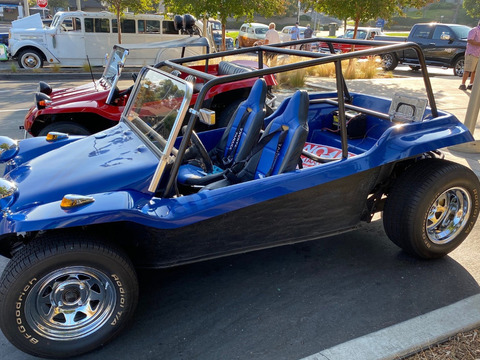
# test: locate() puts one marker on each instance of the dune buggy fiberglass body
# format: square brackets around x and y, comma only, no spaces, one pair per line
[81,212]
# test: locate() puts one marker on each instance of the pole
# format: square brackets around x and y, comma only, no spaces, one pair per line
[26,8]
[470,122]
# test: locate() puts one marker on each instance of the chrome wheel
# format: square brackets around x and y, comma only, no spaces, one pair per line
[70,303]
[448,215]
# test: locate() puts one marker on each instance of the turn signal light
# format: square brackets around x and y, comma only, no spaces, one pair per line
[71,200]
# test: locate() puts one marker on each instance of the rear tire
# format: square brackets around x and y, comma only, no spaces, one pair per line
[458,66]
[432,207]
[66,294]
[67,127]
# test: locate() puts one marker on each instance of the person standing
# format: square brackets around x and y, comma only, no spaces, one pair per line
[271,36]
[294,34]
[307,34]
[471,57]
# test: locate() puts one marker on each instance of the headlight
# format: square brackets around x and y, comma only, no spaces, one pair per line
[8,148]
[8,193]
[42,100]
[43,87]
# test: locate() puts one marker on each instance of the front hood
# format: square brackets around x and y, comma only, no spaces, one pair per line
[113,160]
[88,92]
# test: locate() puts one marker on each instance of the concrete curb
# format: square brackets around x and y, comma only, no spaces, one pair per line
[410,336]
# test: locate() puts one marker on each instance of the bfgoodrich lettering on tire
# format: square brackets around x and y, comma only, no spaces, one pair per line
[65,295]
[432,207]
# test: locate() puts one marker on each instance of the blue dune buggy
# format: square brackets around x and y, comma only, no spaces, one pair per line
[81,213]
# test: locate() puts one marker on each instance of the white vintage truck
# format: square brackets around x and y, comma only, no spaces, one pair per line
[72,36]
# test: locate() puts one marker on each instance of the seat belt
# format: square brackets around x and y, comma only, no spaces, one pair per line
[229,157]
[231,173]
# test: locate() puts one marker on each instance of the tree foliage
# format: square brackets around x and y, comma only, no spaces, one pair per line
[472,7]
[223,9]
[118,7]
[364,10]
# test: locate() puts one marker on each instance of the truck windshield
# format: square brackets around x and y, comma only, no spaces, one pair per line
[158,106]
[55,21]
[461,31]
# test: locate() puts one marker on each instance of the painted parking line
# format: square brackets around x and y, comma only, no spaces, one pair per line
[13,110]
[409,336]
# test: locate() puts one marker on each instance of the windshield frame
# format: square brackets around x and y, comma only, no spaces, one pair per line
[168,150]
[112,71]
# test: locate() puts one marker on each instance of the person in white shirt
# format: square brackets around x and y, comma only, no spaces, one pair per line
[271,36]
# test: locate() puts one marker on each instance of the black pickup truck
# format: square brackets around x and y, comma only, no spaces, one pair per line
[442,44]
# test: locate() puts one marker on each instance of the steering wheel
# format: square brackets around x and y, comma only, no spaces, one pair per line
[202,151]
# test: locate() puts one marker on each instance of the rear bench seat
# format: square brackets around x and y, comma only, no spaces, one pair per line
[228,68]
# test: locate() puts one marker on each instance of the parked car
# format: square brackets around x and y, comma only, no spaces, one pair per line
[98,105]
[80,213]
[364,33]
[442,44]
[285,33]
[250,33]
[216,27]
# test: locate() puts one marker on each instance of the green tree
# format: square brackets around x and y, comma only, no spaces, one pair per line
[472,7]
[119,6]
[223,9]
[364,10]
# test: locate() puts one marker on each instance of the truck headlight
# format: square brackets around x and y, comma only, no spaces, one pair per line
[8,148]
[8,193]
[42,100]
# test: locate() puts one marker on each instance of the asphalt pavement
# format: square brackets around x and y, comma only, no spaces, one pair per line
[378,332]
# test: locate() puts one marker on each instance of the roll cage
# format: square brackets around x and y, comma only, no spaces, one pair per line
[310,59]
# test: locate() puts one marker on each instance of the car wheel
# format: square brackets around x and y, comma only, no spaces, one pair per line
[389,61]
[65,295]
[227,113]
[458,66]
[30,59]
[67,127]
[432,207]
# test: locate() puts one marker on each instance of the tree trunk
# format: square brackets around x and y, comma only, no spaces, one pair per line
[119,27]
[224,26]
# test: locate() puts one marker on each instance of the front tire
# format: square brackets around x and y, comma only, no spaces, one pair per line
[30,59]
[66,295]
[432,207]
[67,127]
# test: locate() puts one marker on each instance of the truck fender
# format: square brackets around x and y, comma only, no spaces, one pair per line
[19,46]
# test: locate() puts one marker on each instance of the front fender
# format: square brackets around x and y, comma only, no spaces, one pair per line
[20,45]
[107,208]
[33,147]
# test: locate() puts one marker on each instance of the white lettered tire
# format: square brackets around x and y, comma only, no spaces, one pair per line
[66,294]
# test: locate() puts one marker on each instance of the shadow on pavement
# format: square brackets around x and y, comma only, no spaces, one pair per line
[286,303]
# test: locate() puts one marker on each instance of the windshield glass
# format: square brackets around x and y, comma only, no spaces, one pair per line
[361,34]
[115,64]
[159,101]
[261,31]
[55,20]
[461,31]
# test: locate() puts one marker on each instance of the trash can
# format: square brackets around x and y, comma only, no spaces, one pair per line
[332,28]
[3,53]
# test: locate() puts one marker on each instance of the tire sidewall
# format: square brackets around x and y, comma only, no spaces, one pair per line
[30,53]
[17,329]
[423,244]
[70,128]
